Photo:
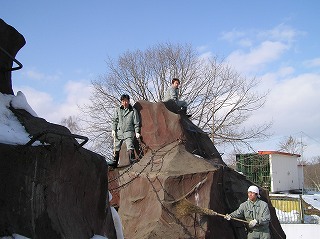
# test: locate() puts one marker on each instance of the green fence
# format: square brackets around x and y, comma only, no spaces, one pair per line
[255,167]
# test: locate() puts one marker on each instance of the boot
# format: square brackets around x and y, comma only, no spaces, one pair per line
[132,157]
[183,111]
[115,161]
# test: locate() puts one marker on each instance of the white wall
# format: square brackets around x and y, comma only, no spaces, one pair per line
[301,176]
[301,231]
[284,172]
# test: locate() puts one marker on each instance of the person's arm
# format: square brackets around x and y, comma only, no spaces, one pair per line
[171,94]
[115,120]
[264,215]
[239,213]
[175,94]
[136,121]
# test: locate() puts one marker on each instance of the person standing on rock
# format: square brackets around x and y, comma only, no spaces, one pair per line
[173,94]
[256,212]
[125,126]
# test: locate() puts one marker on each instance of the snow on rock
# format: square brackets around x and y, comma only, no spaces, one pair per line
[11,130]
[116,220]
[117,223]
[20,102]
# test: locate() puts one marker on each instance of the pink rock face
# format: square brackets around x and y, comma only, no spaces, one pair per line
[178,161]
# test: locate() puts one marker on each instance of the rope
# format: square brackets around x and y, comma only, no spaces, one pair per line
[168,211]
[150,162]
[194,188]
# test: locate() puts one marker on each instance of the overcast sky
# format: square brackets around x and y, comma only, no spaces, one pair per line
[68,43]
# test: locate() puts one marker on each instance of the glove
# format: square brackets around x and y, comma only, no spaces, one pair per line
[252,223]
[113,133]
[137,135]
[227,217]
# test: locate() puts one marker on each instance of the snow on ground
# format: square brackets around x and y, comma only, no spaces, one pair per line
[313,200]
[301,231]
[294,215]
[116,220]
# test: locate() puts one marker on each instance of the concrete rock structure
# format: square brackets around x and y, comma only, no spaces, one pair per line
[178,161]
[56,190]
[59,189]
[52,190]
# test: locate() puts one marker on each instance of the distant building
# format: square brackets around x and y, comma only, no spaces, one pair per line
[273,170]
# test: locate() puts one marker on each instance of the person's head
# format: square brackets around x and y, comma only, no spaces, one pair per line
[253,193]
[175,82]
[125,100]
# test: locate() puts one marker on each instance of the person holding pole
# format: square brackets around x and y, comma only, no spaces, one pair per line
[256,212]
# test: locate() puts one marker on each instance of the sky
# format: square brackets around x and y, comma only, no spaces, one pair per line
[277,42]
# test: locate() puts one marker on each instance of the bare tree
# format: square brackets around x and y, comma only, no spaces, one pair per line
[146,75]
[312,174]
[71,123]
[97,118]
[224,103]
[291,145]
[221,101]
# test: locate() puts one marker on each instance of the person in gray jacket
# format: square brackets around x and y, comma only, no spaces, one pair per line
[125,126]
[256,212]
[173,94]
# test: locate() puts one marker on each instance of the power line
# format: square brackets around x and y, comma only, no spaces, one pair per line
[310,137]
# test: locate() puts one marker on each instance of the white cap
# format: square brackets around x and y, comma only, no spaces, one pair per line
[254,189]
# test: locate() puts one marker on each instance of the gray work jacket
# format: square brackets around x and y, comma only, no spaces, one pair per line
[126,122]
[254,210]
[171,94]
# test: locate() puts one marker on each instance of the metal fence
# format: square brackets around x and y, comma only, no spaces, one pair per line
[288,209]
[256,167]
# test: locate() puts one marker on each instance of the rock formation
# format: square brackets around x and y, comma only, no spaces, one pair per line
[11,41]
[56,190]
[178,161]
[53,190]
[59,189]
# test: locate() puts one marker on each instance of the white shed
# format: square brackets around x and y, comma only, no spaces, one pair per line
[274,170]
[285,171]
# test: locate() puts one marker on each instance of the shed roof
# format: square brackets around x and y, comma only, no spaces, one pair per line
[278,152]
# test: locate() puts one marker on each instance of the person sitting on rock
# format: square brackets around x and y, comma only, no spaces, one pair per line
[173,94]
[125,126]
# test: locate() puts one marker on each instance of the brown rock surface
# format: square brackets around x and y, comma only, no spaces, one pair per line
[179,161]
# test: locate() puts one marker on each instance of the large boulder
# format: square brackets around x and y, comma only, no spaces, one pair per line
[178,161]
[54,190]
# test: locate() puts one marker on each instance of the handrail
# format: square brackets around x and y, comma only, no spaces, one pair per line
[37,136]
[12,58]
